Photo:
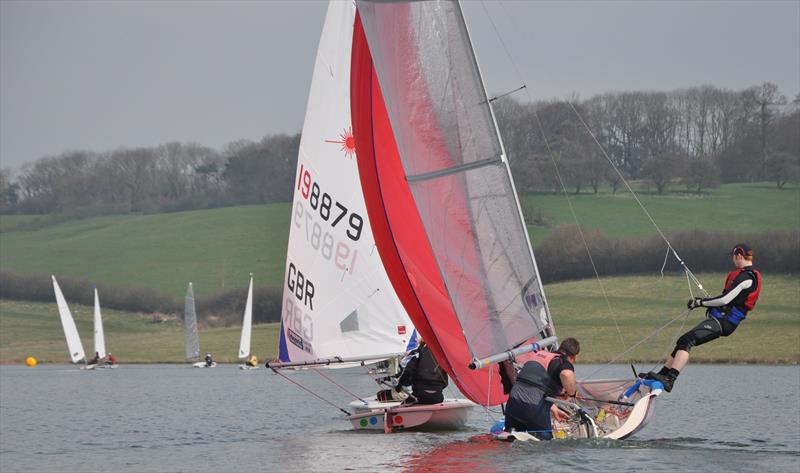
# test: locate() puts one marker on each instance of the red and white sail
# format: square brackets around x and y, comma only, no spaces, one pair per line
[439,193]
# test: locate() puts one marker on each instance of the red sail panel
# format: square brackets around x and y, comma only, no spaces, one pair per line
[400,235]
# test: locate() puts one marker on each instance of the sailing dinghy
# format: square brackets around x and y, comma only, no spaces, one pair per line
[190,335]
[247,327]
[339,307]
[445,215]
[74,344]
[99,336]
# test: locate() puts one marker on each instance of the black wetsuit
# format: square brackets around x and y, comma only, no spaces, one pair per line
[426,378]
[527,409]
[724,314]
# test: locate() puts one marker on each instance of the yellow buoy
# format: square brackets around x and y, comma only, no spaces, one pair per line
[31,361]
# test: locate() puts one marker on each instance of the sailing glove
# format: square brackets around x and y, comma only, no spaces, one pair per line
[694,303]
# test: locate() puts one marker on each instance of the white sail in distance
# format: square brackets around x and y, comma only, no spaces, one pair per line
[247,323]
[74,344]
[338,300]
[99,337]
[190,325]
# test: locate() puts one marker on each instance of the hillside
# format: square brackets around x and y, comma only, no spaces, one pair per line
[217,249]
[641,304]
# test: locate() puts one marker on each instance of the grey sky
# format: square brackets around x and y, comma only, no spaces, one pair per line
[100,75]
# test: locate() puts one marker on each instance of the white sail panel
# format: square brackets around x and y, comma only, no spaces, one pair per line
[74,344]
[338,301]
[247,323]
[456,169]
[99,336]
[191,338]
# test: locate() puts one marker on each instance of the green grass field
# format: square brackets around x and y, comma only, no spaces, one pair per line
[34,329]
[640,305]
[217,249]
[754,207]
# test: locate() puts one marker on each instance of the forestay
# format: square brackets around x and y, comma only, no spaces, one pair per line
[74,344]
[190,335]
[99,337]
[448,221]
[337,300]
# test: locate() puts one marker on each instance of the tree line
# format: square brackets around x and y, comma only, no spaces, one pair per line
[693,138]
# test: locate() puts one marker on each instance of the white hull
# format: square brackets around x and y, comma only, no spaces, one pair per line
[449,415]
[202,364]
[248,367]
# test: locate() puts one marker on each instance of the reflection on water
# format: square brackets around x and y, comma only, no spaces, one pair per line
[174,418]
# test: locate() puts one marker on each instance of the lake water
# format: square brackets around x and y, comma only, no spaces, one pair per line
[168,418]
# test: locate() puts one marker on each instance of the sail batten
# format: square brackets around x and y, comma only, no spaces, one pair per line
[456,169]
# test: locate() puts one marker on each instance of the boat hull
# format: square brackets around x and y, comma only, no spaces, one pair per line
[451,414]
[202,364]
[614,423]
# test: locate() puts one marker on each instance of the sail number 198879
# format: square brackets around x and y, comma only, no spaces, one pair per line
[330,210]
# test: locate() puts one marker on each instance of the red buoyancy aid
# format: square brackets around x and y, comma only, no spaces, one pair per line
[750,301]
[544,357]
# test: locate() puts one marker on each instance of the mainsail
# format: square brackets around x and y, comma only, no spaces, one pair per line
[99,337]
[438,188]
[337,301]
[190,325]
[247,323]
[76,353]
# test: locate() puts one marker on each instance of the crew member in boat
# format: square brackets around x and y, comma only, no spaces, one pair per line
[723,315]
[111,359]
[426,378]
[252,360]
[95,360]
[209,360]
[547,374]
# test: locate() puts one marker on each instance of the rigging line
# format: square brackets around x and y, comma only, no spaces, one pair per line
[653,334]
[560,180]
[667,298]
[316,370]
[276,371]
[635,196]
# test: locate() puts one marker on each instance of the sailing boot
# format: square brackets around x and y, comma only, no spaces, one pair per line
[665,376]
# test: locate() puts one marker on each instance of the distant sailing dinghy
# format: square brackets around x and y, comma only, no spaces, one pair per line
[444,211]
[191,338]
[247,327]
[99,336]
[74,344]
[339,306]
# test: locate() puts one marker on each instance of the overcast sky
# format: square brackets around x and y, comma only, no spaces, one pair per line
[100,75]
